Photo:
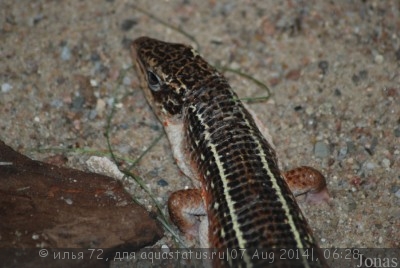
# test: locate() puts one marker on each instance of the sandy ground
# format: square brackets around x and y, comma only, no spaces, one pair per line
[333,70]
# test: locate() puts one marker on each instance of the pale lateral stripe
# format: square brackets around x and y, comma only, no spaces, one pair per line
[228,197]
[283,202]
[281,198]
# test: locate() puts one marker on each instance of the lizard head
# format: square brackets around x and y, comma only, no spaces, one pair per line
[167,73]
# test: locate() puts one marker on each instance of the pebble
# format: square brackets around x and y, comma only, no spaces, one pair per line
[162,182]
[355,79]
[397,132]
[56,103]
[378,59]
[110,101]
[370,165]
[77,103]
[127,24]
[386,163]
[6,87]
[342,153]
[35,236]
[350,147]
[323,65]
[92,114]
[321,150]
[65,53]
[309,110]
[164,248]
[100,106]
[94,83]
[126,81]
[104,166]
[397,194]
[363,74]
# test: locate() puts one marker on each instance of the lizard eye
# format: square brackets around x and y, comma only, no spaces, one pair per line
[153,81]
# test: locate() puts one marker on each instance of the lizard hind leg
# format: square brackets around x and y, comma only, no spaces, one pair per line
[309,181]
[187,211]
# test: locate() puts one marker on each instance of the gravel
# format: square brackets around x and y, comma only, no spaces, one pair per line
[333,70]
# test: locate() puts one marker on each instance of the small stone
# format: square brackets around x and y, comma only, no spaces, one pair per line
[92,114]
[298,108]
[363,74]
[309,110]
[95,57]
[293,74]
[350,146]
[397,132]
[36,19]
[56,103]
[234,65]
[65,53]
[162,182]
[337,93]
[6,87]
[370,165]
[126,81]
[397,53]
[378,59]
[35,236]
[100,106]
[323,65]
[128,24]
[321,150]
[355,78]
[164,248]
[342,153]
[110,101]
[105,166]
[94,83]
[77,103]
[386,163]
[397,194]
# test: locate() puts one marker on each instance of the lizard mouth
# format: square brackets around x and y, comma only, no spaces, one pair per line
[135,57]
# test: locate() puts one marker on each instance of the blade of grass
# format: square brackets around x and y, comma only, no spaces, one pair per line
[161,217]
[111,114]
[166,24]
[152,144]
[252,79]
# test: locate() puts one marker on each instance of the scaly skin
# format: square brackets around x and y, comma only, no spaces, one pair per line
[217,142]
